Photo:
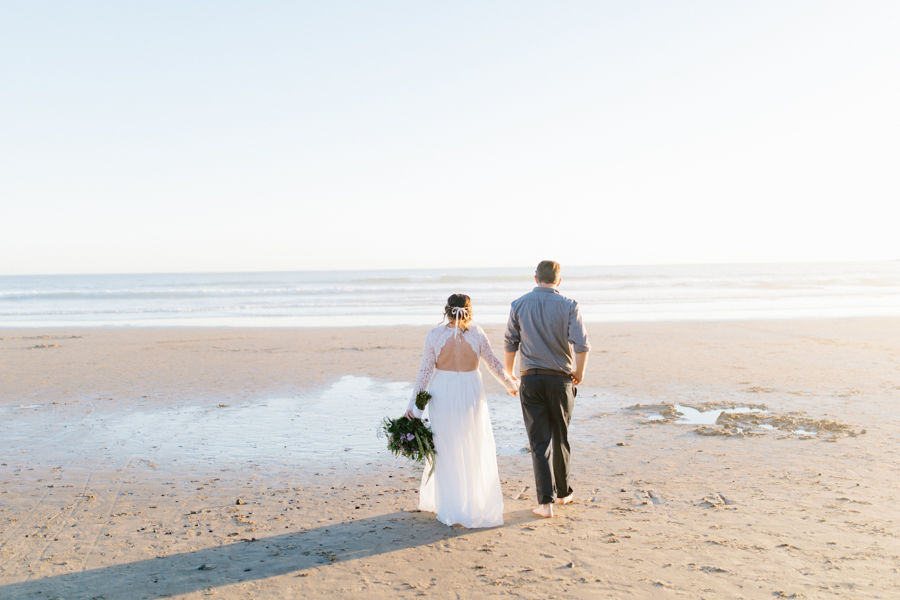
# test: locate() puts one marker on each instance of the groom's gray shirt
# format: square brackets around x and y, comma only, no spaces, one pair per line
[546,329]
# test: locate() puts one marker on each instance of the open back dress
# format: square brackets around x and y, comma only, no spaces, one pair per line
[465,485]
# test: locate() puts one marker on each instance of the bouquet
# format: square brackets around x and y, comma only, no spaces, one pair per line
[422,399]
[410,438]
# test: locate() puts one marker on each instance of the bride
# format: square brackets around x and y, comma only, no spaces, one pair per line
[465,485]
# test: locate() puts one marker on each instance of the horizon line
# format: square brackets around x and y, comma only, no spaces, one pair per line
[397,269]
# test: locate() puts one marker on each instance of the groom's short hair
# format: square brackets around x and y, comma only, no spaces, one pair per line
[548,271]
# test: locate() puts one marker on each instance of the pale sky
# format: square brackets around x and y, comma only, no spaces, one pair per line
[246,136]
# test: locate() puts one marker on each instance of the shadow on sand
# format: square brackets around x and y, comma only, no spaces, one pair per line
[249,560]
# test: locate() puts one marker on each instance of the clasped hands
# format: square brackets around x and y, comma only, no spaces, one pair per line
[409,413]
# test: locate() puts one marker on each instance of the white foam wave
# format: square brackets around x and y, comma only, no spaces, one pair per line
[412,297]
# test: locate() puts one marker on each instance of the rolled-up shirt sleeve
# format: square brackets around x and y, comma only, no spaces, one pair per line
[577,333]
[513,333]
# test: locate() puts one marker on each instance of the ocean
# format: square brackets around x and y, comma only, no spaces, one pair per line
[417,297]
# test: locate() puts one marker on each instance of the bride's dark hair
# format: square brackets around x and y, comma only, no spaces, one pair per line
[459,301]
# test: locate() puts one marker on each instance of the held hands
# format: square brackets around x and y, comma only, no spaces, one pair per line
[514,392]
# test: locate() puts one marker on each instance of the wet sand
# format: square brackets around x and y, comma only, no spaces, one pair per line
[150,463]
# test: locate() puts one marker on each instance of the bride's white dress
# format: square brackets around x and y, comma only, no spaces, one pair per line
[465,486]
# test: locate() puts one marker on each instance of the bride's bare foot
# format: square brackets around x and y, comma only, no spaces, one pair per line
[544,510]
[565,500]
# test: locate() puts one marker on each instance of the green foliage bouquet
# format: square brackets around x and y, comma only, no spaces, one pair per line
[410,438]
[422,399]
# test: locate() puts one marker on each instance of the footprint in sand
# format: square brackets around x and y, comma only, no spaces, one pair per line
[648,497]
[716,500]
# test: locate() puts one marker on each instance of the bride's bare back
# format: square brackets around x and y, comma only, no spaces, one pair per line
[448,352]
[457,355]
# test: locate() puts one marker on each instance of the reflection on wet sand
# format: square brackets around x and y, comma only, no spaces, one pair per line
[728,420]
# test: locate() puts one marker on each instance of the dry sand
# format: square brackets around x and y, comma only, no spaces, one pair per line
[730,510]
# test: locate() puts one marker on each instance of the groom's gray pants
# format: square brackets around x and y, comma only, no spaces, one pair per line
[547,403]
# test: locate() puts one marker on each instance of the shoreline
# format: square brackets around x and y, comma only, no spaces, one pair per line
[636,293]
[95,500]
[259,362]
[365,322]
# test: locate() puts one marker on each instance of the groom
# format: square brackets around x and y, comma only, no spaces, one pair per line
[547,329]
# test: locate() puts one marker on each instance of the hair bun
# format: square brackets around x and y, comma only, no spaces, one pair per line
[459,310]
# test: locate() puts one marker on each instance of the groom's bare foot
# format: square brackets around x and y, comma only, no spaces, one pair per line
[565,500]
[544,510]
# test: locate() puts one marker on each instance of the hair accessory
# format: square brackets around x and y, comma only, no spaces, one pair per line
[459,312]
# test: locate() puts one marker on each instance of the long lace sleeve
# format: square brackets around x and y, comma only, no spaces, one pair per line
[426,372]
[493,363]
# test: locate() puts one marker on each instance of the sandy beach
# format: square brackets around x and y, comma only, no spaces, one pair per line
[193,462]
